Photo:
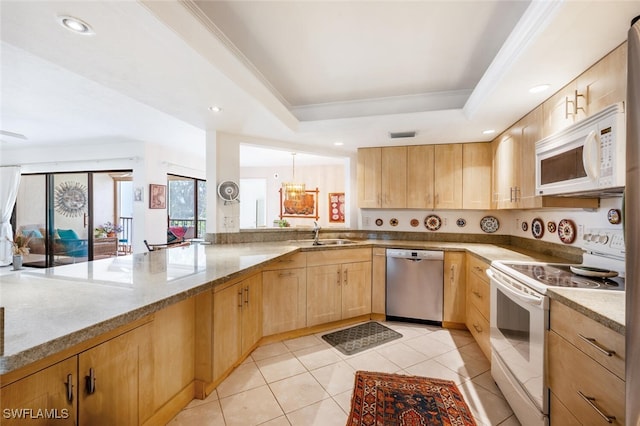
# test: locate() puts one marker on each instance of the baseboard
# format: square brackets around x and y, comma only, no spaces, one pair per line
[172,407]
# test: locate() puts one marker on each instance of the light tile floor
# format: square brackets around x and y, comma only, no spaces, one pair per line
[305,381]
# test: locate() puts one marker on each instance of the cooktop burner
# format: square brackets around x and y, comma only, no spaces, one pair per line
[559,275]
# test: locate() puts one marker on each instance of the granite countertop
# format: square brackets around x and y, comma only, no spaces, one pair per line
[604,306]
[50,310]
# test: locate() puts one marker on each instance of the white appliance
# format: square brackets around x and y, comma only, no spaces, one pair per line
[587,158]
[519,316]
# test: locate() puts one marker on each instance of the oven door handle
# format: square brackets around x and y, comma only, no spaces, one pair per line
[528,298]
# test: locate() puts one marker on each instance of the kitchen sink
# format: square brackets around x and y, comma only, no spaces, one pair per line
[323,242]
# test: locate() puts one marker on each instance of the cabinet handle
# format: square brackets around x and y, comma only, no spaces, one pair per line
[478,269]
[477,294]
[246,293]
[346,276]
[69,385]
[90,381]
[240,299]
[339,278]
[477,327]
[453,271]
[591,401]
[593,342]
[285,274]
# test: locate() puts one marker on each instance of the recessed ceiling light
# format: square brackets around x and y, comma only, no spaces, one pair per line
[540,88]
[215,108]
[488,132]
[338,143]
[76,25]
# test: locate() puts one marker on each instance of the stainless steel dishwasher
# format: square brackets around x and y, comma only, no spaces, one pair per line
[415,280]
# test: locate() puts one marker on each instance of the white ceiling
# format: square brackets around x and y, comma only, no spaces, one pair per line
[309,73]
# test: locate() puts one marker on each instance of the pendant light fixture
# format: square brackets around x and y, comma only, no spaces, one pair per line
[293,190]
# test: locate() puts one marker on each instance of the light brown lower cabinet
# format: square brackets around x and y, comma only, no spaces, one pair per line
[284,295]
[477,312]
[237,322]
[455,289]
[53,390]
[583,374]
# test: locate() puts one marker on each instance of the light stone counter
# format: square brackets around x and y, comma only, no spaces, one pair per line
[604,306]
[49,310]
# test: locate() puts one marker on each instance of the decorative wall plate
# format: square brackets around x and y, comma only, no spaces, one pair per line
[524,225]
[551,226]
[614,216]
[379,222]
[461,222]
[71,199]
[566,231]
[489,224]
[432,222]
[393,222]
[537,227]
[414,222]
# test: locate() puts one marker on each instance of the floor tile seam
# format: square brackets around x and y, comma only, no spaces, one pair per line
[464,375]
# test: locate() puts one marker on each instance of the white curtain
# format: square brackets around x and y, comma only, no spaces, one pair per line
[9,183]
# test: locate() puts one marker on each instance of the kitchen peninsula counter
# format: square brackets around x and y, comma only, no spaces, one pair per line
[50,310]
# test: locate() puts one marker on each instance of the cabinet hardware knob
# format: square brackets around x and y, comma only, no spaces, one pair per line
[69,385]
[477,327]
[593,342]
[591,401]
[90,381]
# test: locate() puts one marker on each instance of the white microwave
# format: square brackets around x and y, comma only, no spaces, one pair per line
[587,158]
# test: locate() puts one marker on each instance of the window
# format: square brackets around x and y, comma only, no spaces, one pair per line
[186,196]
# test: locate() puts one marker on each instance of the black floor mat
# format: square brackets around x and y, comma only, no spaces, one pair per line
[361,337]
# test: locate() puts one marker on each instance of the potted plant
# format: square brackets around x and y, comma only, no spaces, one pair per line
[19,248]
[108,229]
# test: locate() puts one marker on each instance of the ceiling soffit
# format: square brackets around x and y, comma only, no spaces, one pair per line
[330,60]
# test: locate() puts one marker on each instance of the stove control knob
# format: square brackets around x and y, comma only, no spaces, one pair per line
[586,237]
[594,238]
[603,239]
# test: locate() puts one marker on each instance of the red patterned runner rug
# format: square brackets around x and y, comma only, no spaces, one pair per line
[395,400]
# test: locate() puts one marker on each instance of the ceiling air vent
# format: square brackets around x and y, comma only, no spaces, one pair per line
[398,135]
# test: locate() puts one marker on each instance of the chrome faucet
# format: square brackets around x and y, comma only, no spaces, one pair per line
[316,230]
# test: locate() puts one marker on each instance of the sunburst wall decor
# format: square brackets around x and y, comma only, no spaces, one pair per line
[71,199]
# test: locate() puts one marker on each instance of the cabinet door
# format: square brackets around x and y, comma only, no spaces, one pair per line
[605,83]
[369,177]
[378,281]
[324,294]
[504,170]
[251,312]
[227,321]
[454,299]
[45,390]
[356,289]
[531,128]
[448,176]
[284,296]
[476,175]
[120,372]
[420,176]
[394,177]
[558,110]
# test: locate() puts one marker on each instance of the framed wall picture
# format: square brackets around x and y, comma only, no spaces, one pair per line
[157,196]
[303,206]
[336,207]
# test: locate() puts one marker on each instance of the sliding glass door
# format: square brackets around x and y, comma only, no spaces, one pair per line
[68,228]
[187,206]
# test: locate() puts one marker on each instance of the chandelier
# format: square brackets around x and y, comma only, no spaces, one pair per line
[293,190]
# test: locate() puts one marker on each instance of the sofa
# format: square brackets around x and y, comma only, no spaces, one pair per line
[65,241]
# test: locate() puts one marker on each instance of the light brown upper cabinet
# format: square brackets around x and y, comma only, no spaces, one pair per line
[420,176]
[394,177]
[448,176]
[476,175]
[369,177]
[506,179]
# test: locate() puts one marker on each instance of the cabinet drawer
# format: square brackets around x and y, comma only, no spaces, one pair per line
[477,268]
[478,294]
[594,339]
[296,260]
[332,257]
[479,327]
[587,389]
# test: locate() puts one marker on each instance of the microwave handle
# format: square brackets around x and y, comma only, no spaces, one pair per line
[591,155]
